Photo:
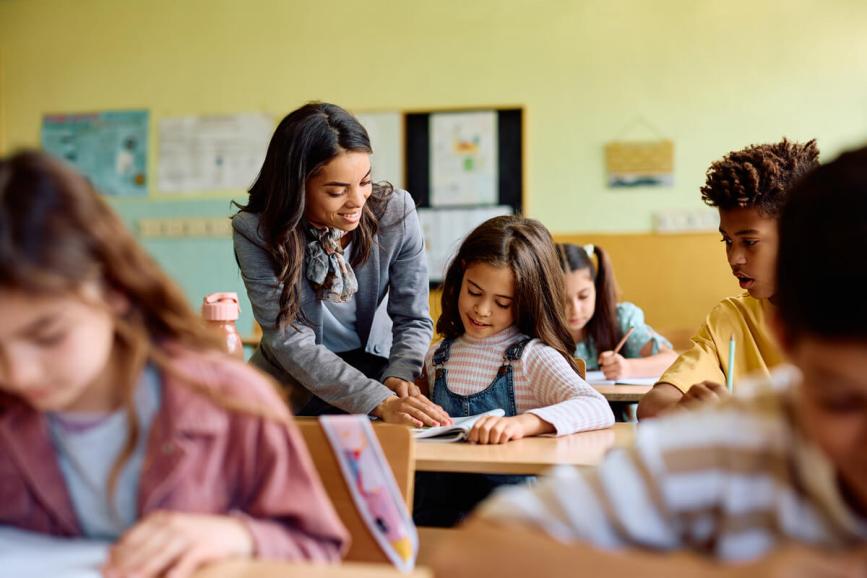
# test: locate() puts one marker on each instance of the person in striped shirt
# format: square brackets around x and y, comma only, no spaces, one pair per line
[783,462]
[506,345]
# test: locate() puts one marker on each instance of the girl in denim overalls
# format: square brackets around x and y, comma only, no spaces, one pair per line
[506,345]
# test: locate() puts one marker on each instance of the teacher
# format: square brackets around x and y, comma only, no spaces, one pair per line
[335,268]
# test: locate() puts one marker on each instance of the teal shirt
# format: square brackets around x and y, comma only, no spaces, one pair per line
[628,315]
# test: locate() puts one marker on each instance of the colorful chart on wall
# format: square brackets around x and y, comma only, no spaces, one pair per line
[464,159]
[210,153]
[109,147]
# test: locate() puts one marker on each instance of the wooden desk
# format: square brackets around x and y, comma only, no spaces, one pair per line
[526,456]
[623,393]
[262,569]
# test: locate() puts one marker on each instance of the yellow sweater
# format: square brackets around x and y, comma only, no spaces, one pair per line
[756,350]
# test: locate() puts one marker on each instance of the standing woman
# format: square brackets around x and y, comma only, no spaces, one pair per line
[335,268]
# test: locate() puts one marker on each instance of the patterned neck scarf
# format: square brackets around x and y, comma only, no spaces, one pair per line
[327,270]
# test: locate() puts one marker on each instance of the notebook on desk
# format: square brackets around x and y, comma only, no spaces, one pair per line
[598,378]
[31,555]
[457,431]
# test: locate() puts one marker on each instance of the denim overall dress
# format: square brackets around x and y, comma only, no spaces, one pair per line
[444,499]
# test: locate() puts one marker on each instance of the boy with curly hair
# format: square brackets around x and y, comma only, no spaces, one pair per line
[749,187]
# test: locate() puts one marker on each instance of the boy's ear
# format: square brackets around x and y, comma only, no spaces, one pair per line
[778,327]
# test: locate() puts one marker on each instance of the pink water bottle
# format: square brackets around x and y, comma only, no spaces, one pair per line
[221,310]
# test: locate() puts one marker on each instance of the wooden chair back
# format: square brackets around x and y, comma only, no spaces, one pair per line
[399,449]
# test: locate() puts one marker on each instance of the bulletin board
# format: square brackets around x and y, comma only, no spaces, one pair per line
[462,167]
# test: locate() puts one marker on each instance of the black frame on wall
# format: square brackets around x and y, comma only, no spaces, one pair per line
[510,136]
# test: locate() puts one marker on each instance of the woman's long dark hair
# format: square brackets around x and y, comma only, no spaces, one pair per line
[526,247]
[602,328]
[304,141]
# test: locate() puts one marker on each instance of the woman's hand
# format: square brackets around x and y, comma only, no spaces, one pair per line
[614,365]
[499,430]
[174,545]
[402,387]
[416,411]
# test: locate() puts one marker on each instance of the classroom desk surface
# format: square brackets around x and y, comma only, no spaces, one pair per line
[624,393]
[262,569]
[526,456]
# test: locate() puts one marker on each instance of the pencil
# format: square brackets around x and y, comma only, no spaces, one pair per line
[623,339]
[730,378]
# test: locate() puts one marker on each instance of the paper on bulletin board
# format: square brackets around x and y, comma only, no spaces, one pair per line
[207,153]
[464,160]
[385,130]
[109,148]
[444,229]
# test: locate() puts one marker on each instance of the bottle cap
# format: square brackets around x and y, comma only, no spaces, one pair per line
[221,307]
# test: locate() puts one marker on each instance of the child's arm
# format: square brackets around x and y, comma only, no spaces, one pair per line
[566,401]
[283,503]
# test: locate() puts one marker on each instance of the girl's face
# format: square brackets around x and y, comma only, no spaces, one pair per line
[485,301]
[580,292]
[55,351]
[336,193]
[751,249]
[833,407]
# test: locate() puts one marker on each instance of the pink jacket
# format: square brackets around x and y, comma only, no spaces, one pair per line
[200,458]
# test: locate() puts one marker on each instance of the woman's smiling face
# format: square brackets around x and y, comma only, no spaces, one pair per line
[337,192]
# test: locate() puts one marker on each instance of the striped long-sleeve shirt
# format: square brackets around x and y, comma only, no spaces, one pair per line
[731,482]
[544,382]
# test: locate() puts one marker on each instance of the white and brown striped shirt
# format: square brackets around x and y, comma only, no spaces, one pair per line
[544,382]
[731,482]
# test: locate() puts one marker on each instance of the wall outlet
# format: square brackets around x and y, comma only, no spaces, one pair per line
[686,221]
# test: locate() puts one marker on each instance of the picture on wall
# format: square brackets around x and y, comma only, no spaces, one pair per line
[109,148]
[640,163]
[212,152]
[464,163]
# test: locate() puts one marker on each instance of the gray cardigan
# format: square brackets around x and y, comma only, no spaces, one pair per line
[392,287]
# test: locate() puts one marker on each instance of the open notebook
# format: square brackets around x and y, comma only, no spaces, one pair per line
[29,555]
[456,432]
[598,378]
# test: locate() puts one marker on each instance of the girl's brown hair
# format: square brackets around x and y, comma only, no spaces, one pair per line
[602,328]
[57,235]
[525,246]
[304,141]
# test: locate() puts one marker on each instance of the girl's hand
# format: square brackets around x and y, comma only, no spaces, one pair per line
[416,411]
[613,365]
[402,387]
[499,430]
[174,545]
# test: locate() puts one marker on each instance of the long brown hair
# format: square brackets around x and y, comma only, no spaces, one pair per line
[57,235]
[304,141]
[602,328]
[525,246]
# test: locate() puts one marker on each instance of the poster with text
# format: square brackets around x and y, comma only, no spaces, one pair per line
[463,158]
[109,148]
[212,153]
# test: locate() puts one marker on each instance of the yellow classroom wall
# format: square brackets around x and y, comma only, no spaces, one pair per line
[711,75]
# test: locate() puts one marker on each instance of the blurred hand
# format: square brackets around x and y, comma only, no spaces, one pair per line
[174,545]
[703,393]
[799,561]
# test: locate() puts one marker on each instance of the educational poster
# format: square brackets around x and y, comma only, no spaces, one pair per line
[208,153]
[464,164]
[640,163]
[110,148]
[444,229]
[385,130]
